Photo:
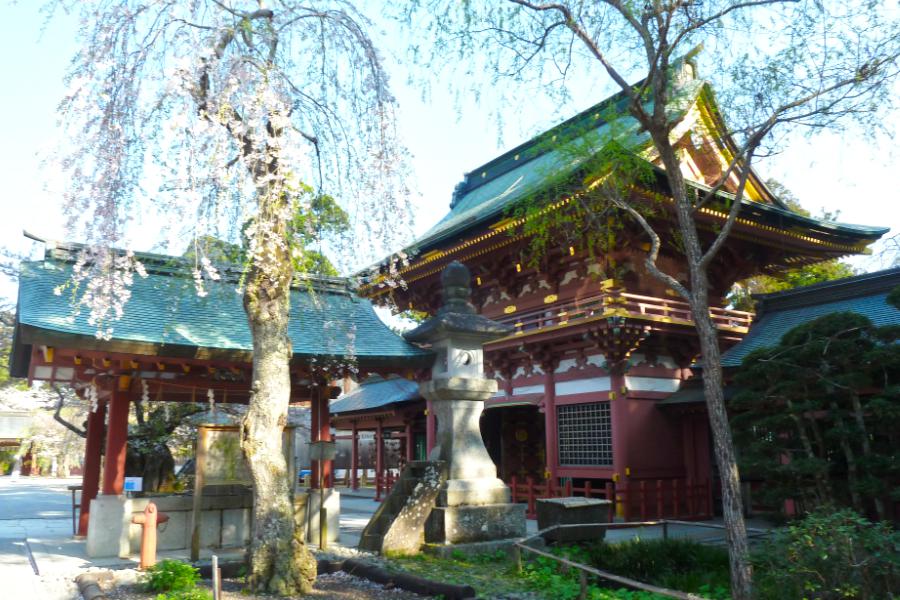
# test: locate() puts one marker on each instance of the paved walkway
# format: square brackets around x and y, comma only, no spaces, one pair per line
[35,519]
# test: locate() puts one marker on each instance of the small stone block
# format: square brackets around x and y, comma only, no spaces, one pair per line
[573,511]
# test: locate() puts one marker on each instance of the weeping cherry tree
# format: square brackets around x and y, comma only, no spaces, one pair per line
[232,118]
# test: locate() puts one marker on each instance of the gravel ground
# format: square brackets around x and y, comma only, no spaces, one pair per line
[334,586]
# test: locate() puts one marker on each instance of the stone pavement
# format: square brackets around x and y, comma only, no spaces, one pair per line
[33,512]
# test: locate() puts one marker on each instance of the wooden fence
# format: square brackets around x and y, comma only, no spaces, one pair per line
[645,498]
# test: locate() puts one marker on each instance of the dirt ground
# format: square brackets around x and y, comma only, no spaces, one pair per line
[334,586]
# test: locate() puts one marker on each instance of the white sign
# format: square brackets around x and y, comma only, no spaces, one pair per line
[134,484]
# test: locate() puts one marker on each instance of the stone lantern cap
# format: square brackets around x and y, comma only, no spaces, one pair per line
[457,315]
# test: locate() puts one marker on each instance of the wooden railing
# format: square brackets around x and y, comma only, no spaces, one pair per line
[660,309]
[383,485]
[656,498]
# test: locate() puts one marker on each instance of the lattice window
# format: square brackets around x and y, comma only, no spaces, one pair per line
[585,435]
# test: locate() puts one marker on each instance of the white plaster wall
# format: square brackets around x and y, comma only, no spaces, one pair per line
[583,386]
[652,384]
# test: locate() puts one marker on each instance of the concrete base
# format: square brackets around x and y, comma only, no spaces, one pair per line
[332,510]
[226,521]
[459,492]
[108,527]
[465,524]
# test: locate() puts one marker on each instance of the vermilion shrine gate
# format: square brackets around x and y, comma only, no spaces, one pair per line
[590,379]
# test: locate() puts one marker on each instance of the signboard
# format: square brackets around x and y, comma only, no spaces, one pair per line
[134,484]
[223,462]
[322,450]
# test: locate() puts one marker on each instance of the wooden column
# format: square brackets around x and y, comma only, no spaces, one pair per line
[619,426]
[314,436]
[410,442]
[90,480]
[354,458]
[325,433]
[116,443]
[551,438]
[430,428]
[379,451]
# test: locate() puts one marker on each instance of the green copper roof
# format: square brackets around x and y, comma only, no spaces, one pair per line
[164,309]
[489,191]
[780,312]
[376,392]
[486,192]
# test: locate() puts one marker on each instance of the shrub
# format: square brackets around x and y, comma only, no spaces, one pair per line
[830,555]
[171,576]
[191,594]
[683,565]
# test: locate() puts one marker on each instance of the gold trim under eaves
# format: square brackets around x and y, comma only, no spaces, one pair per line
[508,223]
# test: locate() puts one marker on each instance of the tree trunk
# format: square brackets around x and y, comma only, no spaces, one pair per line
[859,417]
[698,298]
[823,490]
[280,563]
[850,457]
[732,503]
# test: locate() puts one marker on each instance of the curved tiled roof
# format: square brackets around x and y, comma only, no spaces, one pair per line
[780,312]
[375,393]
[327,320]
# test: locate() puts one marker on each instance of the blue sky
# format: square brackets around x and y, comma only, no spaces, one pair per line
[854,173]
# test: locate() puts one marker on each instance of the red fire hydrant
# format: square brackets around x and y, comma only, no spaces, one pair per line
[148,522]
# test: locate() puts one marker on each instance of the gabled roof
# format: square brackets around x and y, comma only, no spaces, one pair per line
[780,312]
[165,314]
[488,192]
[376,392]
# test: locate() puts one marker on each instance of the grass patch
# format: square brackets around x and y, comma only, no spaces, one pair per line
[682,565]
[493,575]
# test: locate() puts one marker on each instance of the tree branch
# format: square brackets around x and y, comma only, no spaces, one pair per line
[59,419]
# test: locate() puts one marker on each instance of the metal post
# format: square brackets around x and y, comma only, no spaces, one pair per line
[582,580]
[216,581]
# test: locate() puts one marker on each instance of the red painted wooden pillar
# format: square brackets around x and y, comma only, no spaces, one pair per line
[354,458]
[314,436]
[90,480]
[116,444]
[618,418]
[325,435]
[551,437]
[410,443]
[379,451]
[430,428]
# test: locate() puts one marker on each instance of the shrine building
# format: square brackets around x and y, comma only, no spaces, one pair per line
[600,346]
[172,345]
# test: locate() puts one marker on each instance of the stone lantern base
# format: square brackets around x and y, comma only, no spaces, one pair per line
[467,524]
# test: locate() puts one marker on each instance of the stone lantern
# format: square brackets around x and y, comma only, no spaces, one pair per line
[474,504]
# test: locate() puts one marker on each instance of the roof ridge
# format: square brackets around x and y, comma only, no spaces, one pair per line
[838,289]
[168,265]
[531,147]
[680,77]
